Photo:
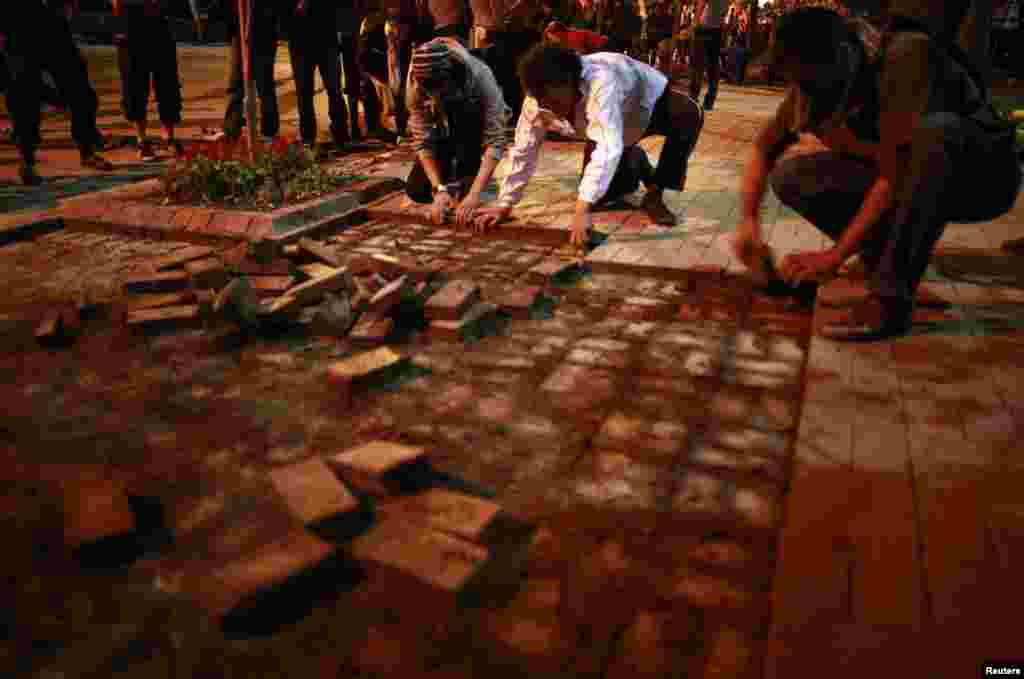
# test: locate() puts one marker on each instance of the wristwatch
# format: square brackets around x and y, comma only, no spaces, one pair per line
[443,188]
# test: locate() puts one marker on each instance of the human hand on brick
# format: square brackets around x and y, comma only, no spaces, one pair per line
[441,207]
[467,209]
[485,219]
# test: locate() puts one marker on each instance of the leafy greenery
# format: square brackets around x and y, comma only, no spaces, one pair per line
[222,173]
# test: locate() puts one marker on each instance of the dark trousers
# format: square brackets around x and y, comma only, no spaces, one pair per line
[706,55]
[146,53]
[308,55]
[458,156]
[28,57]
[952,175]
[264,51]
[679,119]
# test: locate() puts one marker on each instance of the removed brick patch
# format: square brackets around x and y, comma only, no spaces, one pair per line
[455,330]
[171,281]
[312,492]
[165,317]
[380,467]
[452,301]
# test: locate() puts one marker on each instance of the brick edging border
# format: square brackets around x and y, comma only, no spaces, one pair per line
[204,225]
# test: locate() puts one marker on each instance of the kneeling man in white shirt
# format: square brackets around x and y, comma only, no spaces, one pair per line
[615,101]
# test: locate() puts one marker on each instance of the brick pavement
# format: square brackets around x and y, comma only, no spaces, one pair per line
[892,526]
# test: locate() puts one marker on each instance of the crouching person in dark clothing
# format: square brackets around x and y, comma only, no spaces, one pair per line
[909,142]
[38,38]
[146,52]
[458,121]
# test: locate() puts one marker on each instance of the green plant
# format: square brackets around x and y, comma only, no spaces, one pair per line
[224,173]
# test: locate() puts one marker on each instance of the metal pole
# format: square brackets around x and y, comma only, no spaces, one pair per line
[245,26]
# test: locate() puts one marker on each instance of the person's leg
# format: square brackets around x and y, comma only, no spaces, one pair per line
[234,113]
[23,104]
[265,53]
[698,59]
[353,84]
[329,63]
[714,60]
[65,63]
[680,119]
[953,174]
[303,65]
[167,83]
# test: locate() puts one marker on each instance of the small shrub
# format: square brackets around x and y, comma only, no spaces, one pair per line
[222,173]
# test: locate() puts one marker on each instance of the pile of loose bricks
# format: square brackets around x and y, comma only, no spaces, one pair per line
[379,509]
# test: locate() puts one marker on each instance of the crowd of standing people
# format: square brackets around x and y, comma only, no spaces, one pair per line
[362,50]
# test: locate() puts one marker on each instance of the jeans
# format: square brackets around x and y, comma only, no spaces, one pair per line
[148,54]
[952,175]
[680,120]
[264,52]
[309,55]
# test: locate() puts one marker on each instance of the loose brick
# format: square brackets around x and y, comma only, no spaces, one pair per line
[95,506]
[452,301]
[207,273]
[520,301]
[160,300]
[239,300]
[311,491]
[317,270]
[171,281]
[275,267]
[181,257]
[418,567]
[359,265]
[247,577]
[173,316]
[388,296]
[51,326]
[361,369]
[462,515]
[372,327]
[454,330]
[312,290]
[377,466]
[205,300]
[320,251]
[271,286]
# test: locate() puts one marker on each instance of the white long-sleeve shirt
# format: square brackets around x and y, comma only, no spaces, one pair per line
[618,98]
